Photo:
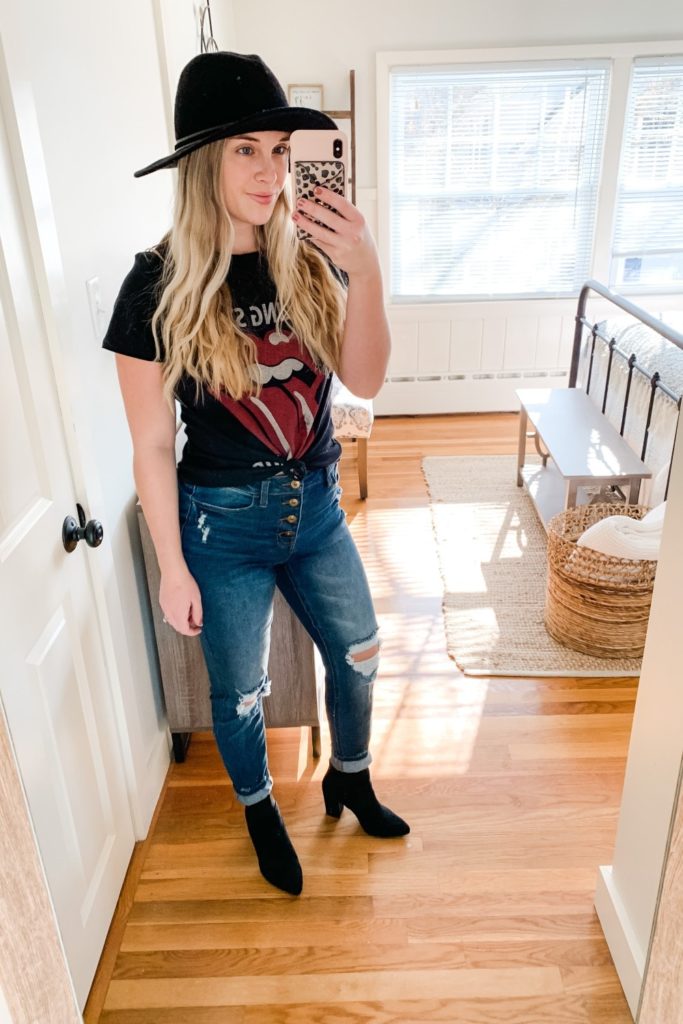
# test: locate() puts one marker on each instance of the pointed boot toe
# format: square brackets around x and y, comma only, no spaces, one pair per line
[277,858]
[354,790]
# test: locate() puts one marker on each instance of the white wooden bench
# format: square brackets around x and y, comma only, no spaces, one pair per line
[578,446]
[616,423]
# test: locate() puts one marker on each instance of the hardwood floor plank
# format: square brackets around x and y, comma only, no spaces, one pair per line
[460,983]
[170,1015]
[535,1010]
[538,1010]
[512,929]
[162,855]
[591,979]
[612,1009]
[605,706]
[254,962]
[196,911]
[241,863]
[612,747]
[502,849]
[586,949]
[262,935]
[490,906]
[470,880]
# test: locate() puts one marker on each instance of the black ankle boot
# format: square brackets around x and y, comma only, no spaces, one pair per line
[277,857]
[354,790]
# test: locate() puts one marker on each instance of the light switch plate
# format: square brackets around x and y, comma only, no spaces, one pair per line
[98,314]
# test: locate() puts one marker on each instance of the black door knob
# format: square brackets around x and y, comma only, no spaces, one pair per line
[91,532]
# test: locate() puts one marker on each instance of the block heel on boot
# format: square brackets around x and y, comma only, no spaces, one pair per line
[354,790]
[277,857]
[333,805]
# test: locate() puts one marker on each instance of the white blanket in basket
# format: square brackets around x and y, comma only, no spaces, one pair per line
[623,537]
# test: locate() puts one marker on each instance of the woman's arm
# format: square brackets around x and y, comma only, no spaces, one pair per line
[153,431]
[366,343]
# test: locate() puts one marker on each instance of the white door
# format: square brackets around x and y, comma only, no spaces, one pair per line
[53,678]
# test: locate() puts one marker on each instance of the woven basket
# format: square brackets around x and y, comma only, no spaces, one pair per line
[595,603]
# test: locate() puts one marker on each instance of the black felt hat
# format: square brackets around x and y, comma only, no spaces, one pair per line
[221,94]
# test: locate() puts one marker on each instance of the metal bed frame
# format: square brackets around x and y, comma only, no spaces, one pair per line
[656,384]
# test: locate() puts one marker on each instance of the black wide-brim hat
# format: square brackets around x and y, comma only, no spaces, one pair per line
[221,94]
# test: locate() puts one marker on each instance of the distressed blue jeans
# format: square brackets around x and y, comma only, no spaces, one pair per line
[239,544]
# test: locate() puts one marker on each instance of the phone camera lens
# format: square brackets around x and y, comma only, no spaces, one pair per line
[337,148]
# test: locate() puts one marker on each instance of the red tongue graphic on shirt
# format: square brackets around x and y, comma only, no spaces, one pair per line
[281,417]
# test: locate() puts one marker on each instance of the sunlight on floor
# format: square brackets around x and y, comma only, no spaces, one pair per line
[425,710]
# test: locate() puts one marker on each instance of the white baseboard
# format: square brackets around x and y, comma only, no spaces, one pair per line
[494,393]
[625,950]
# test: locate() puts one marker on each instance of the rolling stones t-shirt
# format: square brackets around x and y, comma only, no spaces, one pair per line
[232,442]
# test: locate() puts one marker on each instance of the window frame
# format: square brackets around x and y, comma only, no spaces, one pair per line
[621,57]
[627,288]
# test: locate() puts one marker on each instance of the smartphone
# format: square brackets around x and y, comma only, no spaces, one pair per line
[318,157]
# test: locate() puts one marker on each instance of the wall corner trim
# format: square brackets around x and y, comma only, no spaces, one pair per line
[625,950]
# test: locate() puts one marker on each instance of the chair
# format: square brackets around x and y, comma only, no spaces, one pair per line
[353,418]
[295,698]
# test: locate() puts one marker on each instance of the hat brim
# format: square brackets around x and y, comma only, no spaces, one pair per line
[286,119]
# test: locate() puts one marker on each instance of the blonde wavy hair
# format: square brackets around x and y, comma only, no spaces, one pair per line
[194,313]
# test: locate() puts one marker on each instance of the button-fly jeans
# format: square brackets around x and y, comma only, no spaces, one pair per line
[239,544]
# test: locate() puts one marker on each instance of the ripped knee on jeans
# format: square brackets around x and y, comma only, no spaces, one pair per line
[248,701]
[363,656]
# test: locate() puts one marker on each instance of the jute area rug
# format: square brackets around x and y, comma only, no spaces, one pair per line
[492,556]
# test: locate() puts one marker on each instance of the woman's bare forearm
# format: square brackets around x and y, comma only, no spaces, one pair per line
[154,470]
[366,344]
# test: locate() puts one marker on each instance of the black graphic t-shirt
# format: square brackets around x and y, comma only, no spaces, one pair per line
[233,442]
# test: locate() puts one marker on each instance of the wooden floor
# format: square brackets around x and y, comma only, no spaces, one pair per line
[482,914]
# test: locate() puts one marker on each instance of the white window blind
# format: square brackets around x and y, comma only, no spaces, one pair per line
[648,239]
[493,178]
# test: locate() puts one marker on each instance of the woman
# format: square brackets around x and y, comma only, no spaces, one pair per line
[244,323]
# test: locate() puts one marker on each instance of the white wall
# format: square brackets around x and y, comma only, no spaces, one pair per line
[5,1015]
[303,42]
[627,890]
[180,32]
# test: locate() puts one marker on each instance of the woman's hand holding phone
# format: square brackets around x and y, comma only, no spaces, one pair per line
[326,219]
[341,232]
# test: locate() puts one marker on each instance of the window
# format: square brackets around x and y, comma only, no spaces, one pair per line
[493,178]
[647,252]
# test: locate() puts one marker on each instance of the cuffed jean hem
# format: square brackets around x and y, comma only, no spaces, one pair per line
[254,798]
[349,767]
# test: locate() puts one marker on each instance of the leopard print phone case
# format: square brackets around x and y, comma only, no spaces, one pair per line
[308,174]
